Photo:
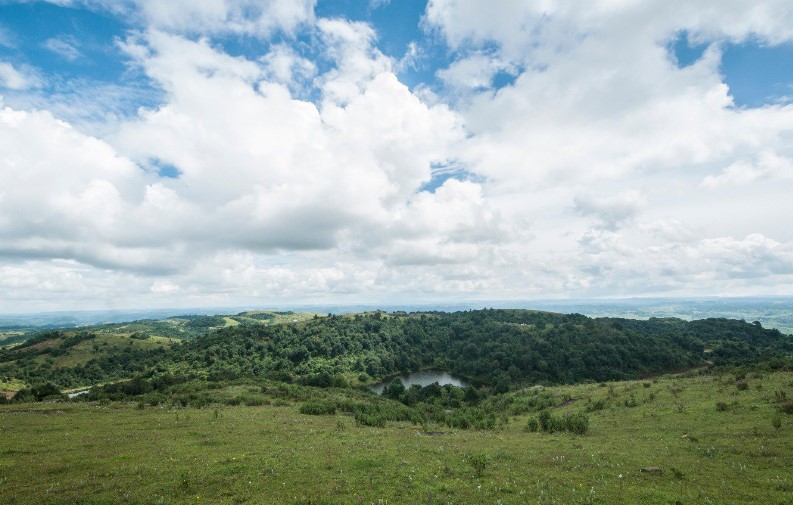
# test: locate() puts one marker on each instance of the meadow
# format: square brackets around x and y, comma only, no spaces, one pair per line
[672,439]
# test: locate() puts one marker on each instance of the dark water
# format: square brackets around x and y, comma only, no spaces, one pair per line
[422,379]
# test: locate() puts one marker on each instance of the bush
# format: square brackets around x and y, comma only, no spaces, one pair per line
[786,407]
[575,423]
[598,405]
[532,425]
[721,407]
[479,463]
[631,402]
[546,421]
[374,420]
[38,393]
[742,385]
[318,408]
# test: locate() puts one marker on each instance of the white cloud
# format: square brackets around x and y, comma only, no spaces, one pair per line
[284,66]
[287,175]
[611,210]
[767,165]
[254,17]
[17,79]
[473,72]
[64,46]
[587,173]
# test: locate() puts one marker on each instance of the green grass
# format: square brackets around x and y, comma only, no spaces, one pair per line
[79,453]
[10,385]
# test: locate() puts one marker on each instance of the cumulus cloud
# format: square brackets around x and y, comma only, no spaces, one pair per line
[473,72]
[767,165]
[288,175]
[298,174]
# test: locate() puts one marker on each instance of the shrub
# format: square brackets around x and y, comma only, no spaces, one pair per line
[374,420]
[598,405]
[546,421]
[742,385]
[318,408]
[721,407]
[786,408]
[394,390]
[38,393]
[576,423]
[478,462]
[631,402]
[532,425]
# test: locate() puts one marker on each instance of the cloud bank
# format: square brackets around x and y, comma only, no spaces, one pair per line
[295,175]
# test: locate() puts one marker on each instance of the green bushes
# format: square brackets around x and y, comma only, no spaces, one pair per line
[577,423]
[38,393]
[479,463]
[532,425]
[367,419]
[318,408]
[597,405]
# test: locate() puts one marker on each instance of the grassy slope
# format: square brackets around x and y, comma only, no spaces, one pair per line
[103,344]
[112,337]
[77,453]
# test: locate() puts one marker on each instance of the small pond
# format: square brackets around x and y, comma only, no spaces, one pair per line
[424,378]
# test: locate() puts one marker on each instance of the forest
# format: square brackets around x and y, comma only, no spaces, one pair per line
[496,349]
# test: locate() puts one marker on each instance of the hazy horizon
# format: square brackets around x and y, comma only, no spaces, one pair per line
[772,311]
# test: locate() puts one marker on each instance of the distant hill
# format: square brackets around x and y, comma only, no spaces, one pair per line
[496,348]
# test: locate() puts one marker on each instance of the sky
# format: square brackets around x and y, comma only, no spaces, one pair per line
[274,152]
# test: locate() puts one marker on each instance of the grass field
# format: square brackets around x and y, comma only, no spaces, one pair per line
[61,453]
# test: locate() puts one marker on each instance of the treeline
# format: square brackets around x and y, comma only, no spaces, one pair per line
[501,349]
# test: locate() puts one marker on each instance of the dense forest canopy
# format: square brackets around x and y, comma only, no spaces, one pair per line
[501,349]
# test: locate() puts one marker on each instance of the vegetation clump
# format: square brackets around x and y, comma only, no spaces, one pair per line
[577,423]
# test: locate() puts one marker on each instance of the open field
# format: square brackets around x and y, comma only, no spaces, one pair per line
[62,453]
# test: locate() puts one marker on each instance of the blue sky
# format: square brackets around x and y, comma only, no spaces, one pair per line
[244,152]
[75,43]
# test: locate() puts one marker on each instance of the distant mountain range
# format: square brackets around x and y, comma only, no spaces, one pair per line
[772,312]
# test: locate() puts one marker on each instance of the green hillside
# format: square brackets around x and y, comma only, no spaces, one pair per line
[267,407]
[699,439]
